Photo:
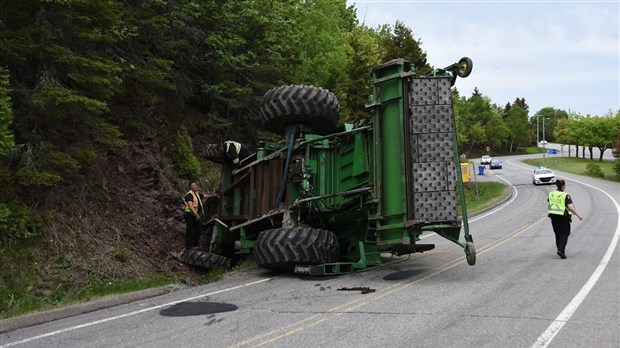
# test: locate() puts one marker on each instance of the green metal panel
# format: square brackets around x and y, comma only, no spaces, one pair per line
[360,156]
[389,143]
[361,184]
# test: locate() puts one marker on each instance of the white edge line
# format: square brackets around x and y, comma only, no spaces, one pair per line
[516,193]
[133,313]
[552,330]
[543,341]
[546,337]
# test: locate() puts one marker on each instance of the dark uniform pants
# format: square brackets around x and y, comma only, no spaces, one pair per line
[561,228]
[193,230]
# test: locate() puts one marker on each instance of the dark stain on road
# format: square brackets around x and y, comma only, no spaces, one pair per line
[188,309]
[363,289]
[400,275]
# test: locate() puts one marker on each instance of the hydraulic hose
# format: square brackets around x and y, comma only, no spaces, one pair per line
[289,154]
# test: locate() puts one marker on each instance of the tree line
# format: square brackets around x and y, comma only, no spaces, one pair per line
[80,79]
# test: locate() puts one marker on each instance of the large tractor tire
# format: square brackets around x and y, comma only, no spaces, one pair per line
[213,153]
[311,106]
[283,248]
[205,260]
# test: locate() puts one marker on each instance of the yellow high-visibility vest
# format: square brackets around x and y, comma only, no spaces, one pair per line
[557,202]
[197,202]
[237,149]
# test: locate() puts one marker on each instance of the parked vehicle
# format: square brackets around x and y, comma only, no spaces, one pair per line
[332,199]
[495,164]
[485,159]
[543,175]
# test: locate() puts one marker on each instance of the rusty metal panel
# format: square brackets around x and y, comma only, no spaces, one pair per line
[264,186]
[255,177]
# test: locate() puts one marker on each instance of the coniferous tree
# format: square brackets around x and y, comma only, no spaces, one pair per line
[364,56]
[62,81]
[7,142]
[402,44]
[515,119]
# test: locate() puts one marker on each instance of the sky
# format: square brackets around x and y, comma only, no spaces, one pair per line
[560,54]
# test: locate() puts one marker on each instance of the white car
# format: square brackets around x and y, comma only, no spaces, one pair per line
[542,175]
[485,159]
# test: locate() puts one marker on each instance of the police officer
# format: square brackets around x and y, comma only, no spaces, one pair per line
[561,209]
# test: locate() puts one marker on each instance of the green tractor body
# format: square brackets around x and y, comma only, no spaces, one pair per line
[331,199]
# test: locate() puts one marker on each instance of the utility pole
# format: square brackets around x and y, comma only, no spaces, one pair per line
[543,139]
[537,130]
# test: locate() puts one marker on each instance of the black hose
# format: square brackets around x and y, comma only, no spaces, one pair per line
[289,154]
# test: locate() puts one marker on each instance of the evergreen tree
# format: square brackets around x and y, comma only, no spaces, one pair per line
[62,79]
[515,118]
[7,143]
[402,44]
[364,56]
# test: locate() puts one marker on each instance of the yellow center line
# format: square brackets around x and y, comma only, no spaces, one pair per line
[355,304]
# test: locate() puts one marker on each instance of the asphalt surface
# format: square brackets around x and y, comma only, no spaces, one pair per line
[519,293]
[36,318]
[31,319]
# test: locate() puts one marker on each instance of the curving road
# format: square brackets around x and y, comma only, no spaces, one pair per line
[519,294]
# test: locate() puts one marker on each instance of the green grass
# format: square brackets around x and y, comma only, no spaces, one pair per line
[20,297]
[483,195]
[28,302]
[18,300]
[577,166]
[533,150]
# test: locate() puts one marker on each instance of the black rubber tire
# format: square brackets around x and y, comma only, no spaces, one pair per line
[205,260]
[311,106]
[283,248]
[470,253]
[466,65]
[213,153]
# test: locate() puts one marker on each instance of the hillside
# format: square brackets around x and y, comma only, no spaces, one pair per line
[117,225]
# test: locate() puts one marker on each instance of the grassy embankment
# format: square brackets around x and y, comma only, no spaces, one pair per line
[579,166]
[487,194]
[19,299]
[483,195]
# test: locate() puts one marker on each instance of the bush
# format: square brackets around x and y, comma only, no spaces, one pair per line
[7,141]
[189,166]
[594,170]
[15,222]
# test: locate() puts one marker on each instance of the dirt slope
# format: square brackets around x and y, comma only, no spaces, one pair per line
[122,223]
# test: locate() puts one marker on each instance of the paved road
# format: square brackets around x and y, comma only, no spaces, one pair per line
[519,293]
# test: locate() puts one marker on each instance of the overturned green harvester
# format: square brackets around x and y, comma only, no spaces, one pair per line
[331,199]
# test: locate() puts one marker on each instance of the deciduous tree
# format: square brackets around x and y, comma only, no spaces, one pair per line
[604,133]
